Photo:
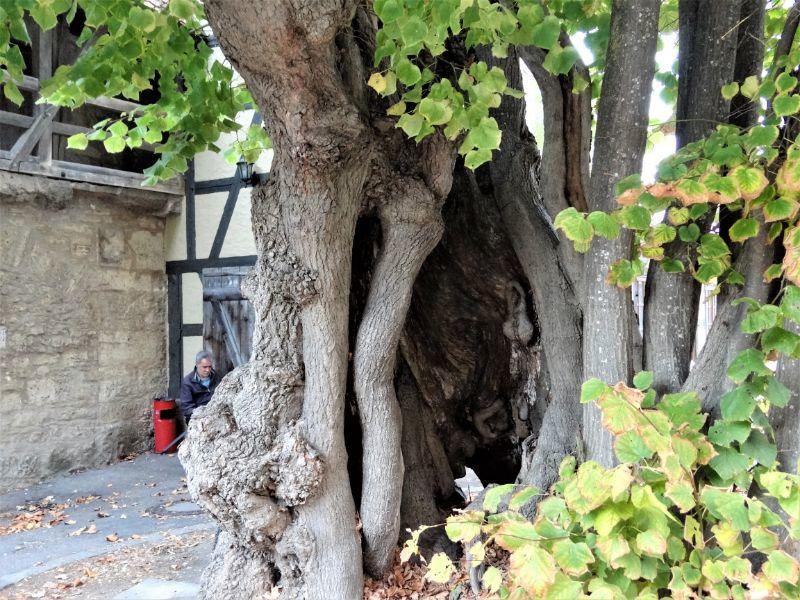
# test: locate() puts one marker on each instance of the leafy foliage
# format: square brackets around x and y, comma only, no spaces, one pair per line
[746,171]
[131,48]
[684,512]
[413,43]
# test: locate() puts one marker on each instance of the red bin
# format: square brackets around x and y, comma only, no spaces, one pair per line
[165,424]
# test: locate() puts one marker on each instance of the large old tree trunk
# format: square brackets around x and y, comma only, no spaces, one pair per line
[430,312]
[267,458]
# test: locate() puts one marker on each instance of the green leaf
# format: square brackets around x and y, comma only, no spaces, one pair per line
[493,497]
[635,217]
[760,448]
[729,463]
[749,87]
[413,31]
[763,539]
[410,124]
[643,380]
[660,234]
[533,569]
[114,144]
[750,181]
[651,542]
[142,19]
[672,265]
[592,389]
[79,141]
[682,407]
[689,233]
[560,60]
[575,227]
[780,209]
[623,273]
[681,494]
[545,34]
[44,15]
[465,526]
[475,158]
[407,72]
[437,112]
[492,579]
[523,496]
[726,505]
[777,394]
[388,10]
[729,90]
[786,104]
[396,109]
[486,135]
[572,557]
[183,9]
[760,319]
[564,588]
[761,135]
[790,303]
[630,448]
[785,82]
[743,229]
[724,432]
[746,362]
[738,404]
[698,210]
[777,338]
[630,182]
[513,535]
[603,224]
[781,567]
[11,91]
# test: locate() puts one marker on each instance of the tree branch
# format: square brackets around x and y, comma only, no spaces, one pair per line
[619,147]
[706,62]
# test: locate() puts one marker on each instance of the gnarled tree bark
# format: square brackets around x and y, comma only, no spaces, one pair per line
[303,221]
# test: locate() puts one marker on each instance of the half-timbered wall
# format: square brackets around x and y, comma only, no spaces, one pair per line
[212,231]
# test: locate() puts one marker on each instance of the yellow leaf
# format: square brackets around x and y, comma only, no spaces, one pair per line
[377,82]
[788,178]
[791,260]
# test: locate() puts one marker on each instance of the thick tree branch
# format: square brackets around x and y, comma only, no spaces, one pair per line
[706,62]
[514,174]
[619,147]
[565,149]
[411,225]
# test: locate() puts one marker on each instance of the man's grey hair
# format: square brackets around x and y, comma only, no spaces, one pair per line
[204,354]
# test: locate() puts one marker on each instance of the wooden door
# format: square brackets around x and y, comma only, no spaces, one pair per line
[228,319]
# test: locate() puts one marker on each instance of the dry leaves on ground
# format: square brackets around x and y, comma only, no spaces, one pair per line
[44,513]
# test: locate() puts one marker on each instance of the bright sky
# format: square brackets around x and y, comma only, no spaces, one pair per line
[659,110]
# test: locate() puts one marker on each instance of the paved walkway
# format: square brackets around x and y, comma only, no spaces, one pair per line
[138,503]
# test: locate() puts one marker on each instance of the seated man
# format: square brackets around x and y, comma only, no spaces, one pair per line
[199,385]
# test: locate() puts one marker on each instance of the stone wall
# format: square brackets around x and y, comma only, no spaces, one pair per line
[82,323]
